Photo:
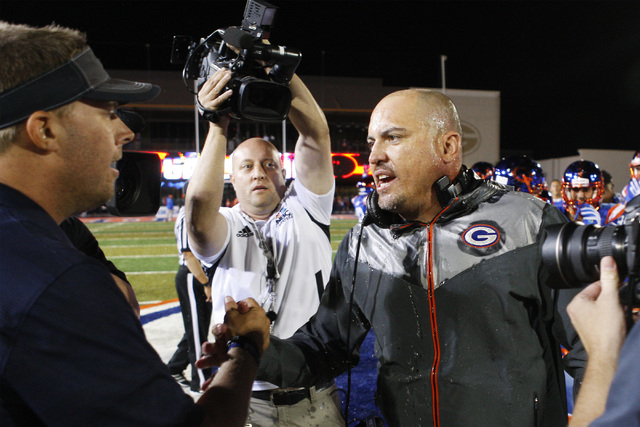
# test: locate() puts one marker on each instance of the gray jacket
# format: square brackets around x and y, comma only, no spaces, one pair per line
[467,332]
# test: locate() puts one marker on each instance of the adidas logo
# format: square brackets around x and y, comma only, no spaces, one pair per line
[245,232]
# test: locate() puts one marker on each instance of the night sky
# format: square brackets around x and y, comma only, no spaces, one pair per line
[568,72]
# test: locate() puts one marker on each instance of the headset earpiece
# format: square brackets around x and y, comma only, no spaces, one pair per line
[378,216]
[445,191]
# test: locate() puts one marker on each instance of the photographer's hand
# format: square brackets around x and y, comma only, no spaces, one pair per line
[211,98]
[598,318]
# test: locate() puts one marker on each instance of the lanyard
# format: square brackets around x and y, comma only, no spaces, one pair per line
[272,271]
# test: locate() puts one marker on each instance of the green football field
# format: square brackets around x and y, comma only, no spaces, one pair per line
[147,253]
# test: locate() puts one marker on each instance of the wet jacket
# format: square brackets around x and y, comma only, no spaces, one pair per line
[467,332]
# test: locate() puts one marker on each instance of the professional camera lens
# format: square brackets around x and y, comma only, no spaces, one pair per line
[137,189]
[127,188]
[262,101]
[572,252]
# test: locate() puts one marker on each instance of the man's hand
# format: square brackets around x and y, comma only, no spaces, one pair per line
[597,314]
[214,353]
[244,318]
[247,318]
[211,96]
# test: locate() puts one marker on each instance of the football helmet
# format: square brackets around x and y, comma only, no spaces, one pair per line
[582,174]
[522,173]
[364,187]
[484,170]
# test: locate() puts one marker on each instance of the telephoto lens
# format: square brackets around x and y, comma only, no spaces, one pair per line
[572,252]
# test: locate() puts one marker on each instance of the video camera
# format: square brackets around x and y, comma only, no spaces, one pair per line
[245,52]
[137,188]
[573,252]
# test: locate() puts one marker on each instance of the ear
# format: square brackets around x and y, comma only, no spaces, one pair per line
[43,130]
[284,174]
[451,146]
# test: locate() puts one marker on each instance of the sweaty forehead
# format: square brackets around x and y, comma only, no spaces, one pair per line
[398,111]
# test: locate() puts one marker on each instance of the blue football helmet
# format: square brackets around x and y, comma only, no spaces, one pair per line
[522,173]
[484,170]
[364,187]
[582,174]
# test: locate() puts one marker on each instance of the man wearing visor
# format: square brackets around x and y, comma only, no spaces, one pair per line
[72,352]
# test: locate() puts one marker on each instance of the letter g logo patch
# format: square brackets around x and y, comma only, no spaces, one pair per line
[481,238]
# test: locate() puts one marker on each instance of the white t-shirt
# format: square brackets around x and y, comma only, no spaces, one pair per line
[301,249]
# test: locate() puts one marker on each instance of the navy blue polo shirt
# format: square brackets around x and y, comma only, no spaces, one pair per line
[71,350]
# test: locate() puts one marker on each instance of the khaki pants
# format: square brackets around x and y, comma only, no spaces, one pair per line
[322,409]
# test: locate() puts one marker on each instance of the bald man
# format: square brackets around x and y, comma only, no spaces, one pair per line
[445,268]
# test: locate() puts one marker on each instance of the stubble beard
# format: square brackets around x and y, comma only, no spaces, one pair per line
[390,202]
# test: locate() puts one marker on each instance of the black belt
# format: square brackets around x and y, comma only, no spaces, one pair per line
[282,397]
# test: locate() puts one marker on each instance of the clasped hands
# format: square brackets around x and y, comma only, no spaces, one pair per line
[243,318]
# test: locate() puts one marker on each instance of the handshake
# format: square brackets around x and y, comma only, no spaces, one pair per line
[245,325]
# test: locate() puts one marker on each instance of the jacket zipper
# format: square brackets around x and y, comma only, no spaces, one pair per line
[435,396]
[434,330]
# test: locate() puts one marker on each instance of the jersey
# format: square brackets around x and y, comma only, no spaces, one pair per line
[631,190]
[359,203]
[589,214]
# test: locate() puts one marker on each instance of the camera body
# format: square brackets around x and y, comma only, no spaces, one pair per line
[572,252]
[244,51]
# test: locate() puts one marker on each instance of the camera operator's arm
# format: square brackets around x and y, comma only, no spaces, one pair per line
[314,168]
[206,226]
[597,316]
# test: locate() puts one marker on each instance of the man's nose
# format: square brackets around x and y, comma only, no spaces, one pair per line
[124,135]
[376,155]
[258,172]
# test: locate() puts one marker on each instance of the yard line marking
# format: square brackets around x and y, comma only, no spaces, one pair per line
[137,273]
[134,246]
[107,225]
[143,256]
[134,238]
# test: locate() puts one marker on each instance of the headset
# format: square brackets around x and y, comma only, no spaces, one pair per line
[445,190]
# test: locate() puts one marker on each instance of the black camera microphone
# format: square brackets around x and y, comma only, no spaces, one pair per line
[238,38]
